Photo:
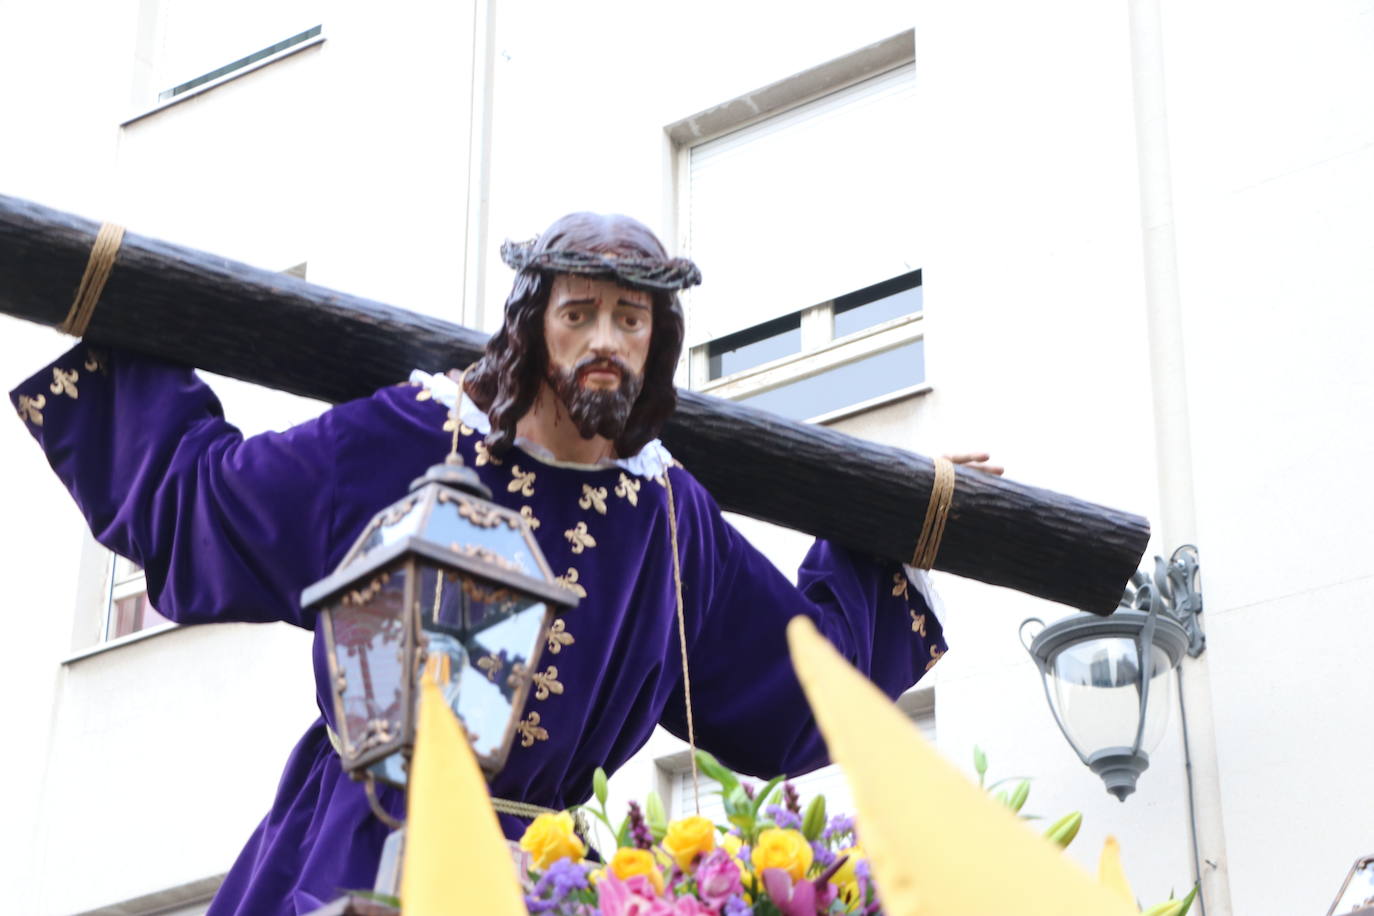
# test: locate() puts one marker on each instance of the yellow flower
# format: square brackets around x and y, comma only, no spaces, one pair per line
[731,844]
[785,849]
[845,873]
[1110,874]
[688,838]
[627,862]
[850,893]
[551,837]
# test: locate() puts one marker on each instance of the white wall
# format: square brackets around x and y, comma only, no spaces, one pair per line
[1036,329]
[1273,140]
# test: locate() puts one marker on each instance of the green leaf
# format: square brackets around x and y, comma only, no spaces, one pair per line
[1188,901]
[599,786]
[386,899]
[762,794]
[622,836]
[736,802]
[655,816]
[1019,795]
[813,822]
[1062,831]
[980,763]
[715,770]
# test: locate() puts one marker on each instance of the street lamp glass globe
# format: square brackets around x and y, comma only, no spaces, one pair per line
[1097,690]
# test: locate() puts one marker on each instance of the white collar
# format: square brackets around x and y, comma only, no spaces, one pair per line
[653,459]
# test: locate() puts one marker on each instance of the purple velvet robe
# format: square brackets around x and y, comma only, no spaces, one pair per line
[230,529]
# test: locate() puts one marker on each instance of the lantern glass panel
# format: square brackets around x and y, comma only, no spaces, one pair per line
[369,636]
[481,638]
[394,526]
[1097,690]
[500,664]
[481,531]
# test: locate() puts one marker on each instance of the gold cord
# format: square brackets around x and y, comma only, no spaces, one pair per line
[98,267]
[682,641]
[937,513]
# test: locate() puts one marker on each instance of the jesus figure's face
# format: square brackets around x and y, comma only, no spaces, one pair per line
[597,334]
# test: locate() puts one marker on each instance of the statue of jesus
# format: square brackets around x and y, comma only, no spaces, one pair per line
[560,420]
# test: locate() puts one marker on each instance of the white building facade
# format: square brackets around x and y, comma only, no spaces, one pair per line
[1123,247]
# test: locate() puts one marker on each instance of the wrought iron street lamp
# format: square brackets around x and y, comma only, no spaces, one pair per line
[442,584]
[1107,678]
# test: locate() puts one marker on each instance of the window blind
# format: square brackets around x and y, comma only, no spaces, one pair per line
[803,206]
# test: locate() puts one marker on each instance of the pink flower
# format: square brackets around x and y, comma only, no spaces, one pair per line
[718,878]
[691,906]
[631,897]
[805,898]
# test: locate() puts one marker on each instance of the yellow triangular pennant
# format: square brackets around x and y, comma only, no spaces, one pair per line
[937,845]
[456,859]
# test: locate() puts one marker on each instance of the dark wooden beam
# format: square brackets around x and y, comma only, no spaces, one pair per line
[282,332]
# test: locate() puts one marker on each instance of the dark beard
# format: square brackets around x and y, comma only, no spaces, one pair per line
[595,411]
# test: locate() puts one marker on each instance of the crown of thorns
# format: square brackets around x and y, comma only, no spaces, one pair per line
[654,273]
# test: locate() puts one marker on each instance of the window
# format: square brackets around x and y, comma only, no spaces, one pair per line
[803,222]
[918,704]
[865,348]
[128,609]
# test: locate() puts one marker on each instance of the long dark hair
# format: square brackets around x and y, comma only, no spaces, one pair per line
[506,380]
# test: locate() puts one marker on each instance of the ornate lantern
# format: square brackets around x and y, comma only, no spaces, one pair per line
[1107,678]
[443,584]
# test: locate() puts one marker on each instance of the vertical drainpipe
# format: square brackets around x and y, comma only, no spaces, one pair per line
[475,249]
[1172,437]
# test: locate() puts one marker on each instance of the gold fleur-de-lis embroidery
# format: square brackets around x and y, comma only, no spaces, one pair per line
[530,731]
[528,515]
[559,636]
[579,538]
[546,682]
[918,623]
[936,653]
[491,665]
[516,676]
[31,408]
[569,581]
[522,482]
[593,498]
[96,361]
[484,455]
[628,489]
[899,584]
[63,382]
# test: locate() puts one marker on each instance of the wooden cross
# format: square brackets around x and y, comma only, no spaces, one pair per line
[282,332]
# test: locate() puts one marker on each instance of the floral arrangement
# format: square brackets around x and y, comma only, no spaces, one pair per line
[775,857]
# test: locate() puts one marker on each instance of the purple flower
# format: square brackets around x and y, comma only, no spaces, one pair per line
[840,826]
[718,878]
[783,817]
[791,799]
[823,856]
[736,906]
[640,833]
[558,881]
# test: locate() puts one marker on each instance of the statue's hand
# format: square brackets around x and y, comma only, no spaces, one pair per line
[978,461]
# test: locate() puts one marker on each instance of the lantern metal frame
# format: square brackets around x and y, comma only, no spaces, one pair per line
[444,483]
[1170,624]
[1361,864]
